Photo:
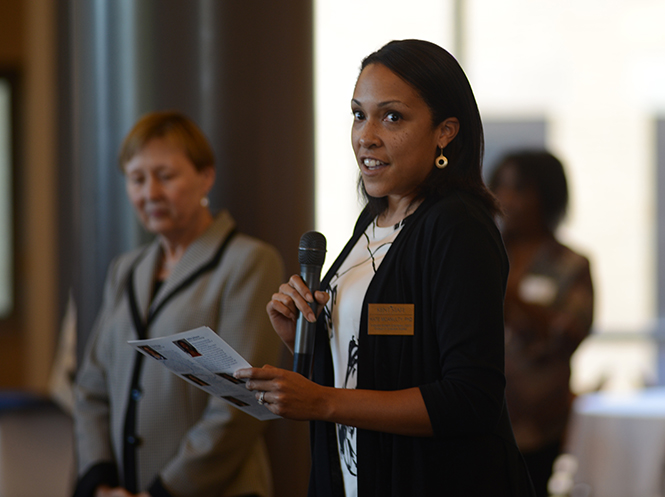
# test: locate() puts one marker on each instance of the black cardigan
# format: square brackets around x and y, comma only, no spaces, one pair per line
[449,261]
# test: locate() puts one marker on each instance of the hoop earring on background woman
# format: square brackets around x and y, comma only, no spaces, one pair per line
[441,161]
[205,202]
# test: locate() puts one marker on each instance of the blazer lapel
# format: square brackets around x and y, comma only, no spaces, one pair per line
[144,274]
[198,254]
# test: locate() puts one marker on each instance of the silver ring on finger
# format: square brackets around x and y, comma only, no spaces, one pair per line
[262,397]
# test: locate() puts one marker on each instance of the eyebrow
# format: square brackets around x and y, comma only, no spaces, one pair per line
[382,104]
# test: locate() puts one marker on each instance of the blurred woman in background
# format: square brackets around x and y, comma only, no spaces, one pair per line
[140,429]
[407,396]
[548,305]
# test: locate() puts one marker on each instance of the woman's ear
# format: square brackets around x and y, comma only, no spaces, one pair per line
[448,130]
[208,175]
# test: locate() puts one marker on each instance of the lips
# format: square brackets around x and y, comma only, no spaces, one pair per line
[154,211]
[372,164]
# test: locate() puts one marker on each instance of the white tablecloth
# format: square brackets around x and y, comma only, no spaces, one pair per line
[619,441]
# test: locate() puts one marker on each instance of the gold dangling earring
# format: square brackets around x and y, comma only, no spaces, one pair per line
[441,161]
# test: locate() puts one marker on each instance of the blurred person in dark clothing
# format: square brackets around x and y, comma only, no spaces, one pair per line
[548,305]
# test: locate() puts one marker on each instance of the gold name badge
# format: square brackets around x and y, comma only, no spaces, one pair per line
[390,319]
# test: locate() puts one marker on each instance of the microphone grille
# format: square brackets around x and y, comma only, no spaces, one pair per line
[312,248]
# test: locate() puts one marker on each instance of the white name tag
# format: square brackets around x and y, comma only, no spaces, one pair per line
[537,289]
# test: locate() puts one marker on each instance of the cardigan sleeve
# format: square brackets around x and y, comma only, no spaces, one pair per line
[468,270]
[95,459]
[215,450]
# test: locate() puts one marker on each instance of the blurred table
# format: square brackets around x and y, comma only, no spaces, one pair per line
[619,441]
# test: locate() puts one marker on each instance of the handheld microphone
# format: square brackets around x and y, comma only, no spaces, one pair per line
[311,254]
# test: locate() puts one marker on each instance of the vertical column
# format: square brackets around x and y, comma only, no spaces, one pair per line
[36,179]
[659,332]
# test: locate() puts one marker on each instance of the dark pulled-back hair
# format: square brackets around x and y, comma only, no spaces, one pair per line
[441,83]
[542,171]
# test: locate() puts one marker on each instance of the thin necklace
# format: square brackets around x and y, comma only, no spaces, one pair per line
[396,226]
[369,250]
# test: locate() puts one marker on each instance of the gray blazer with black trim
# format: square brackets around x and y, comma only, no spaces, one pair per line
[192,444]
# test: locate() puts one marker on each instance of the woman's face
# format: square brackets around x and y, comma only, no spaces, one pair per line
[519,201]
[393,137]
[166,189]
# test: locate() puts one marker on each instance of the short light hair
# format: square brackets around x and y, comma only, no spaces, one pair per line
[174,127]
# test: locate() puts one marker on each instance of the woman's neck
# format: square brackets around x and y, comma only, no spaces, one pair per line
[174,247]
[532,236]
[522,247]
[397,211]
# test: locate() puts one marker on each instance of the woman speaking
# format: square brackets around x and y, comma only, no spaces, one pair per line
[407,396]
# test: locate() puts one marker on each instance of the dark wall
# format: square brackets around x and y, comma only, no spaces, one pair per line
[12,52]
